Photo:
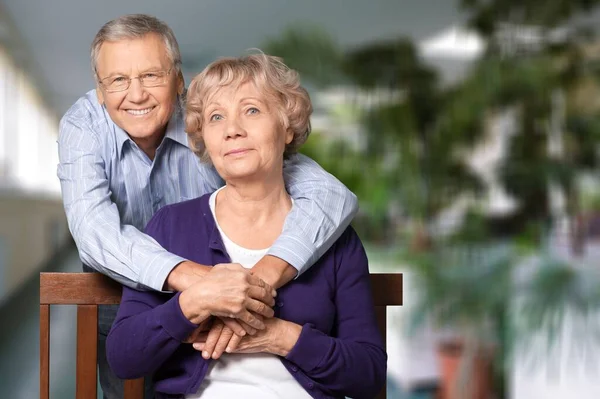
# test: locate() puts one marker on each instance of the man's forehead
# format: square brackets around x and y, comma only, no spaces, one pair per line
[145,52]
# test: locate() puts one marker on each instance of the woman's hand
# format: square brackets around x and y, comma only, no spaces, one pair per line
[278,338]
[203,327]
[228,290]
[221,337]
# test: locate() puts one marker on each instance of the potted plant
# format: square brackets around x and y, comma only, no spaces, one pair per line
[464,288]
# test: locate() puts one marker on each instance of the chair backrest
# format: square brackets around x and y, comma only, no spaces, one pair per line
[88,290]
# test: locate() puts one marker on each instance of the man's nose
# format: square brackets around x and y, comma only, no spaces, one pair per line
[136,92]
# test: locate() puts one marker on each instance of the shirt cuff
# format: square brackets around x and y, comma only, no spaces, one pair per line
[155,274]
[172,319]
[310,349]
[295,250]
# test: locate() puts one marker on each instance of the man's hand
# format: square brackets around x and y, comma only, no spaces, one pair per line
[274,271]
[184,275]
[228,290]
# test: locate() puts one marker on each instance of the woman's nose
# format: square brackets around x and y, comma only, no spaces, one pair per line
[234,128]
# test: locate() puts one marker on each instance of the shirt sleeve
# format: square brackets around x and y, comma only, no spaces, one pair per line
[106,244]
[353,361]
[323,209]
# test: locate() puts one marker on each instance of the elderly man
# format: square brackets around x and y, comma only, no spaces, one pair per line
[124,155]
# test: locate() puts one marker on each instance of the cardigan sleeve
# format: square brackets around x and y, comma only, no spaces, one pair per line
[149,326]
[352,361]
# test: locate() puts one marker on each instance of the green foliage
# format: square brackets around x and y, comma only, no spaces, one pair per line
[311,51]
[463,286]
[487,16]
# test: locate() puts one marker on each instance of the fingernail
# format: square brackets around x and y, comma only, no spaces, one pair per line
[205,355]
[274,293]
[243,333]
[228,350]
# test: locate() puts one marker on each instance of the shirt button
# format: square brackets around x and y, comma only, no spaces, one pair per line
[294,369]
[280,303]
[311,385]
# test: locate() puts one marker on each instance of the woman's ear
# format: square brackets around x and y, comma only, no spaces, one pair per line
[289,135]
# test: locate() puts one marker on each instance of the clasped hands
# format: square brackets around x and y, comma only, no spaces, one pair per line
[233,310]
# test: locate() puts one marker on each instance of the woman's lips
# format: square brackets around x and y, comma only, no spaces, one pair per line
[237,151]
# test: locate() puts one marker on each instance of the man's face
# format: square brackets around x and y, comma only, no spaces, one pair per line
[142,112]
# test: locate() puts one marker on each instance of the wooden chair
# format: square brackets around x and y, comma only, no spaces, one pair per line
[88,290]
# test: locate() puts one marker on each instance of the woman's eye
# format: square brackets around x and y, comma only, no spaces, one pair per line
[252,111]
[216,117]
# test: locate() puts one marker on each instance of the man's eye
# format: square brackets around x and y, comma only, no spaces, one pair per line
[119,79]
[149,76]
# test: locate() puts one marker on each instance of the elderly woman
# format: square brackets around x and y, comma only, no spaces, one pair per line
[246,115]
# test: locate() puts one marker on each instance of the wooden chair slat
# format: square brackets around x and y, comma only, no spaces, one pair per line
[87,337]
[381,314]
[134,389]
[44,351]
[387,289]
[78,289]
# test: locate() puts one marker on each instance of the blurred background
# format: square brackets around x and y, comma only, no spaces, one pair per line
[469,130]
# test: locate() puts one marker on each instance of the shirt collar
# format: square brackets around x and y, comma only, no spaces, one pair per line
[174,132]
[175,128]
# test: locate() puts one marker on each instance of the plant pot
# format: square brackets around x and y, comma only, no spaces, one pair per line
[477,385]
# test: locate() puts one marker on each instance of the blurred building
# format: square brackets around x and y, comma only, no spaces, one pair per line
[32,222]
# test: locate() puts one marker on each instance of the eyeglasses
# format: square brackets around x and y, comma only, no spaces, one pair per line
[148,79]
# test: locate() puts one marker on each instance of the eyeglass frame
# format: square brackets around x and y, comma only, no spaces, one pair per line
[129,79]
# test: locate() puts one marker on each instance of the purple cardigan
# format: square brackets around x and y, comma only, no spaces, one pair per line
[339,352]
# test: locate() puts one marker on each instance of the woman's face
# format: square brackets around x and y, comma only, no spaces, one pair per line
[243,134]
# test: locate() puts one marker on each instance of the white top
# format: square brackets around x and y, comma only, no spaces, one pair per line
[249,376]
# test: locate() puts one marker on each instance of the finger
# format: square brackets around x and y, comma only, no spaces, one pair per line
[233,344]
[259,308]
[235,326]
[252,320]
[224,339]
[201,338]
[249,329]
[192,336]
[261,294]
[199,346]
[206,324]
[259,282]
[211,340]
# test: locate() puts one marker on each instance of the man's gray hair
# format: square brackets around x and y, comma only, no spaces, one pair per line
[136,26]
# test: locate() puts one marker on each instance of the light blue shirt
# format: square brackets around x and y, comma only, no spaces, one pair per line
[111,189]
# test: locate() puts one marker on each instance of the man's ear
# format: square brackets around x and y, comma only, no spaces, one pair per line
[99,94]
[180,83]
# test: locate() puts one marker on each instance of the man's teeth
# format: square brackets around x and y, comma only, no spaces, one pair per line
[139,111]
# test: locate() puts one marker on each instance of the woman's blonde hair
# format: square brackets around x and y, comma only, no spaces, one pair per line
[279,84]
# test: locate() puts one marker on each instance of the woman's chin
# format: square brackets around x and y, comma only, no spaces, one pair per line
[240,174]
[240,170]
